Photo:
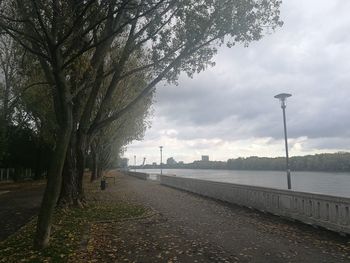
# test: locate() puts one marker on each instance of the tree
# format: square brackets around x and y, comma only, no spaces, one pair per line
[176,35]
[8,74]
[111,141]
[173,45]
[18,112]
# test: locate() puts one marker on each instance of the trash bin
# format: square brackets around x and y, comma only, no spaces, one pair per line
[103,184]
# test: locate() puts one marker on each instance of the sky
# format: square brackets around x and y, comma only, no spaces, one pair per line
[229,110]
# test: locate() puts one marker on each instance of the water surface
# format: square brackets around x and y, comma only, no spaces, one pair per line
[336,184]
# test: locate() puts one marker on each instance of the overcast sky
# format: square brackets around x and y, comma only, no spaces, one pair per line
[229,111]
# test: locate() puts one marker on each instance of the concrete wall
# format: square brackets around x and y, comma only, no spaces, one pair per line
[322,210]
[142,176]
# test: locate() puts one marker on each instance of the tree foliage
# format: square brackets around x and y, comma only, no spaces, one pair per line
[324,162]
[90,52]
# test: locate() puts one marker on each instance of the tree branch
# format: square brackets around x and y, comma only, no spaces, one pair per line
[100,124]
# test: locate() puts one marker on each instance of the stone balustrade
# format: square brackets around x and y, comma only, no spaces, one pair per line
[326,211]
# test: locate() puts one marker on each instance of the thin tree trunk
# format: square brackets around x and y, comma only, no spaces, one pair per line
[5,114]
[38,161]
[99,169]
[94,165]
[52,189]
[81,152]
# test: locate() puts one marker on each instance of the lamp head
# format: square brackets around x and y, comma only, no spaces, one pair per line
[283,97]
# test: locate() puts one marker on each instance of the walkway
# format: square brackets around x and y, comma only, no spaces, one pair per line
[190,228]
[19,202]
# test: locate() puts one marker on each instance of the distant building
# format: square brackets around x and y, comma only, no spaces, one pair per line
[205,158]
[154,163]
[170,161]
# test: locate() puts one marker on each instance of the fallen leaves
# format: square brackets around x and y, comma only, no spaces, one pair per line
[68,230]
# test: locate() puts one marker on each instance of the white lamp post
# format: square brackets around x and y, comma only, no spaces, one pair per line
[135,163]
[161,159]
[283,97]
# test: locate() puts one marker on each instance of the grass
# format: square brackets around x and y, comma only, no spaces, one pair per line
[68,228]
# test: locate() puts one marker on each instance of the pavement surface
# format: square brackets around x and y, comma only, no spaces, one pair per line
[190,228]
[18,204]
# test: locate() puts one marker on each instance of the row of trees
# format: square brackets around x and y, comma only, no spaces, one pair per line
[325,162]
[93,65]
[335,162]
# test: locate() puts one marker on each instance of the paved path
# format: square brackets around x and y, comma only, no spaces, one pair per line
[191,228]
[18,204]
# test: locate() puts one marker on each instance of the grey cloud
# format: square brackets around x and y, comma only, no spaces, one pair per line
[308,57]
[327,143]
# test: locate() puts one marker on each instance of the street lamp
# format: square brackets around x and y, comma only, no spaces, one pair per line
[135,163]
[161,159]
[283,97]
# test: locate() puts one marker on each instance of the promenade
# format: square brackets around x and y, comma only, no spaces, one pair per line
[188,228]
[175,226]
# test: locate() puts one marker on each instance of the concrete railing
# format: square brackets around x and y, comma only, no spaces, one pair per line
[142,176]
[330,212]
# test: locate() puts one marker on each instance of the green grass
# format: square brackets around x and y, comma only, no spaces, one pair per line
[68,228]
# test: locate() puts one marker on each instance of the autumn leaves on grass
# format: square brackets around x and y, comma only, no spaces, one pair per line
[69,228]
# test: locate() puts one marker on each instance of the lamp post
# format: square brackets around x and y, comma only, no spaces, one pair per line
[283,97]
[135,163]
[161,159]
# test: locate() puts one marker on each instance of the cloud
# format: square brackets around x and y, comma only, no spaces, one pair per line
[230,109]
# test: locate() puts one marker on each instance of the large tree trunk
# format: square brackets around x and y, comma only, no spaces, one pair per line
[72,191]
[64,116]
[69,190]
[52,189]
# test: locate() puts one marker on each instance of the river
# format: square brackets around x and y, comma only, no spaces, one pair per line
[336,184]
